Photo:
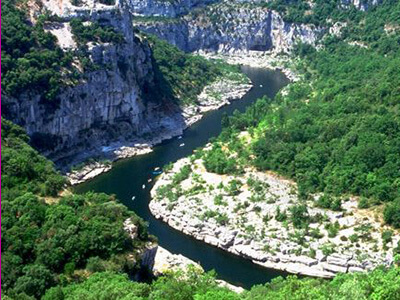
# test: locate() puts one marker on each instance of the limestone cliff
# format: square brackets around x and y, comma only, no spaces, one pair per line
[171,8]
[106,104]
[230,27]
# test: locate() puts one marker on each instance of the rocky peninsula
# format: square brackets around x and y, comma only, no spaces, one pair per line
[252,215]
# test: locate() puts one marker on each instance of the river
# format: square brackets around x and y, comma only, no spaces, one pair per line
[127,177]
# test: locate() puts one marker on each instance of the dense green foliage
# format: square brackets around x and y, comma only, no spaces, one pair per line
[218,161]
[340,134]
[180,76]
[43,244]
[31,60]
[379,284]
[391,213]
[324,12]
[23,169]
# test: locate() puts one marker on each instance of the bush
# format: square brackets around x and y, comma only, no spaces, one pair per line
[280,216]
[387,236]
[95,264]
[183,174]
[391,213]
[329,202]
[217,161]
[363,203]
[299,216]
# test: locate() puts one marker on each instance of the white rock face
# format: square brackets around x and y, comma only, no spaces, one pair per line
[213,96]
[164,8]
[131,228]
[165,261]
[62,31]
[228,27]
[243,220]
[360,4]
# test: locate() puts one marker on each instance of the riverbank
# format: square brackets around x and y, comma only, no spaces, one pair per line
[213,97]
[258,59]
[240,215]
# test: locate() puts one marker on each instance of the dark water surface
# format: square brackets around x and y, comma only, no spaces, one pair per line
[127,177]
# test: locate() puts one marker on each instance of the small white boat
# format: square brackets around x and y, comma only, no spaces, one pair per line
[181,145]
[133,198]
[261,85]
[157,168]
[149,180]
[143,186]
[179,137]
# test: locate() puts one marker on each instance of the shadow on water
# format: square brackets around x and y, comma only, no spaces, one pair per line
[127,177]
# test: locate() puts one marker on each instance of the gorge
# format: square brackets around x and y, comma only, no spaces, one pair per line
[257,138]
[119,181]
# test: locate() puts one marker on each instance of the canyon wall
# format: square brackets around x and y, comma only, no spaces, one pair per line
[166,8]
[230,27]
[107,104]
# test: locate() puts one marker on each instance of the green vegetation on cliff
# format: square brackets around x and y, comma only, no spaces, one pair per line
[31,60]
[182,77]
[23,169]
[325,12]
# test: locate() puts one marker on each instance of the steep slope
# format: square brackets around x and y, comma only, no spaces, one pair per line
[115,74]
[165,8]
[228,27]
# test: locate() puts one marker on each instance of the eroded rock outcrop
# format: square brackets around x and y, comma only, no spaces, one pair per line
[230,27]
[107,112]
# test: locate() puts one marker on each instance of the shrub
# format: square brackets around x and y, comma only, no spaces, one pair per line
[329,202]
[391,213]
[387,236]
[183,174]
[363,203]
[280,216]
[299,216]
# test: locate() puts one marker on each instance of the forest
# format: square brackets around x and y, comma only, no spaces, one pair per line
[49,239]
[338,130]
[31,59]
